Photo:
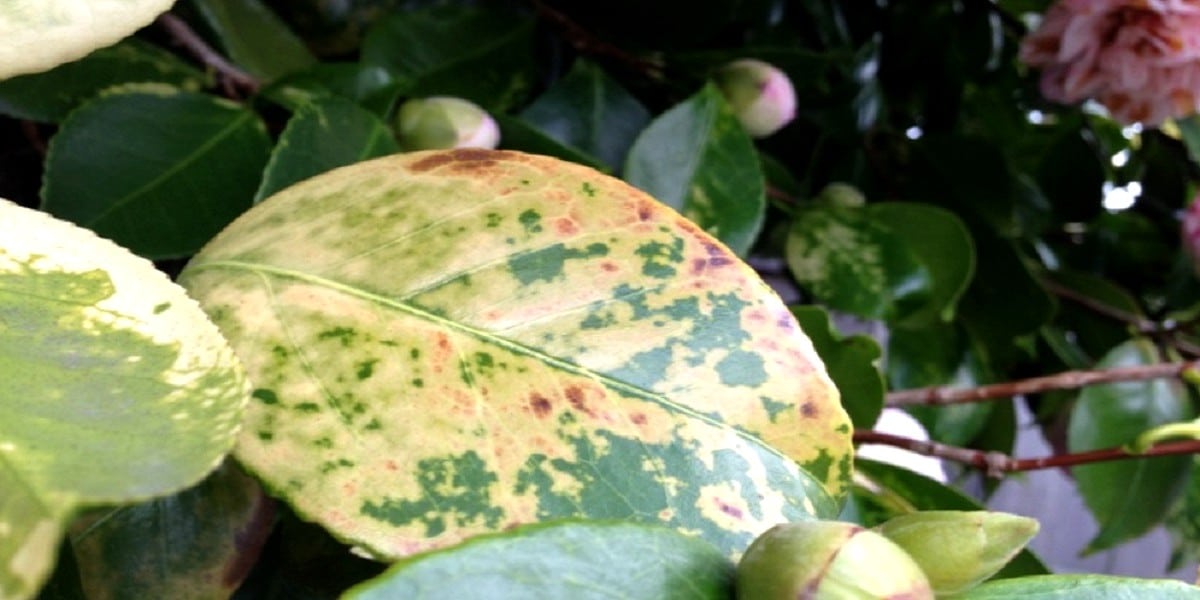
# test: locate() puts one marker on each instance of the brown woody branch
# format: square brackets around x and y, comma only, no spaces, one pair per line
[234,81]
[1060,381]
[588,44]
[996,464]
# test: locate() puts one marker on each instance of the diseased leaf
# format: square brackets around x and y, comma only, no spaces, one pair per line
[50,96]
[453,343]
[199,543]
[256,39]
[1092,587]
[563,560]
[856,264]
[42,35]
[1127,497]
[102,358]
[160,191]
[850,362]
[698,159]
[587,110]
[325,134]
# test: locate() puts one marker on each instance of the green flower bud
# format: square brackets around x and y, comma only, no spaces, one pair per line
[442,122]
[959,549]
[841,194]
[761,95]
[828,560]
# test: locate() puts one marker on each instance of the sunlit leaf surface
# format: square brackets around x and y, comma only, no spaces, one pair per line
[41,34]
[114,386]
[452,343]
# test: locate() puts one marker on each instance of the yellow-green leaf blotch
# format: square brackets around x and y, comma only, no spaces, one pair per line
[960,549]
[114,386]
[457,342]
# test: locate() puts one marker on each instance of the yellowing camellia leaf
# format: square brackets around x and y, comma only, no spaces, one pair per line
[114,386]
[451,343]
[41,34]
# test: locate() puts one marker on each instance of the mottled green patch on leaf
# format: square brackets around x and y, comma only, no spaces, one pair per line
[101,359]
[577,384]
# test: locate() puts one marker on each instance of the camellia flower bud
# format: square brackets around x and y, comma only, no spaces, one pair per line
[828,560]
[1189,233]
[443,122]
[959,549]
[1140,59]
[761,95]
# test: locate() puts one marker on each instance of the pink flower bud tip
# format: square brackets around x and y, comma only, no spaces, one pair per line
[443,122]
[761,95]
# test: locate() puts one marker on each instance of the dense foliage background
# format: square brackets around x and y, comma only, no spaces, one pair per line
[925,188]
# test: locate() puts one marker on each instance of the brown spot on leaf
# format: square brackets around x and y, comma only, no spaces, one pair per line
[430,162]
[565,226]
[698,265]
[645,211]
[808,410]
[638,418]
[391,465]
[608,266]
[539,404]
[730,510]
[575,397]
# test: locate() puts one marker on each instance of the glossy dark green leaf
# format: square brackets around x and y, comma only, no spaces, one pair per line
[939,355]
[850,362]
[256,38]
[1071,176]
[1189,133]
[199,543]
[373,88]
[968,175]
[325,134]
[586,109]
[698,159]
[1005,303]
[1131,496]
[895,491]
[116,168]
[1090,332]
[483,55]
[941,244]
[856,264]
[49,96]
[516,134]
[1091,587]
[564,560]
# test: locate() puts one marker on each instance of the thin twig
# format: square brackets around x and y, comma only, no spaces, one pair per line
[1059,381]
[1142,324]
[233,79]
[996,464]
[588,44]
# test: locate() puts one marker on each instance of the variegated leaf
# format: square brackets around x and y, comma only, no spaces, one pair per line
[114,386]
[451,343]
[41,34]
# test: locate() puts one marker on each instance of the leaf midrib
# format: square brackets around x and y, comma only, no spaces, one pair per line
[518,348]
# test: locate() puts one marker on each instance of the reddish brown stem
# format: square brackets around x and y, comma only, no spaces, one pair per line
[587,44]
[1060,381]
[996,464]
[233,80]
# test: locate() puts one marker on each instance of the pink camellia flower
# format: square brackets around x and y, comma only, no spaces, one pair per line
[1139,58]
[1189,233]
